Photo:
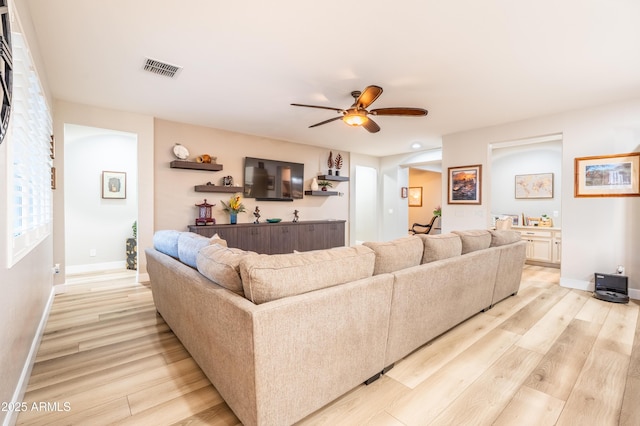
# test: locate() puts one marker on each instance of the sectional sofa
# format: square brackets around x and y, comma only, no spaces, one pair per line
[280,336]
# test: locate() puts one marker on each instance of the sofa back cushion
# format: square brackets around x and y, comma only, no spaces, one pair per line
[504,237]
[221,265]
[395,255]
[189,244]
[166,241]
[473,240]
[270,277]
[440,246]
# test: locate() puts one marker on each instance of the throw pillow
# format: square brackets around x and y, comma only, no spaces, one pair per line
[440,246]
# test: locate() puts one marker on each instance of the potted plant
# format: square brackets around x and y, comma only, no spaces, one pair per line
[323,184]
[233,207]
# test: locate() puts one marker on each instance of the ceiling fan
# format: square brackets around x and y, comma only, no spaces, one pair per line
[357,114]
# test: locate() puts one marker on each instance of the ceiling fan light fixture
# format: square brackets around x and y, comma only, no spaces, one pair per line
[355,118]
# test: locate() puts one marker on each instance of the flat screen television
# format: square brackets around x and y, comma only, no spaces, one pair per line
[272,180]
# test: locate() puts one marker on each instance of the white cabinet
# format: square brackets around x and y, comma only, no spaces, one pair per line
[543,244]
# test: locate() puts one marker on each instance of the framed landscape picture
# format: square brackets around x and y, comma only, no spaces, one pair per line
[534,186]
[114,185]
[464,185]
[607,176]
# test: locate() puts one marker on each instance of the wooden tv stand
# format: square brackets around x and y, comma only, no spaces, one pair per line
[282,237]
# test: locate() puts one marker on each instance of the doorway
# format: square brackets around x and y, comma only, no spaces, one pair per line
[99,217]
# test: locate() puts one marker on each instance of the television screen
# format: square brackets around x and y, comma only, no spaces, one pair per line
[273,180]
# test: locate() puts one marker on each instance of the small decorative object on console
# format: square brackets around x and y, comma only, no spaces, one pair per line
[256,213]
[204,214]
[295,216]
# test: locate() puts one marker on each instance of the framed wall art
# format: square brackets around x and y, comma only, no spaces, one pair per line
[114,185]
[415,196]
[607,176]
[464,185]
[404,192]
[538,185]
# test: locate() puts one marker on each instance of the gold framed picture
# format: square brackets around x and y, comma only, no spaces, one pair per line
[464,185]
[607,175]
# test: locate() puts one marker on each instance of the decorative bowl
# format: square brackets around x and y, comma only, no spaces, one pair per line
[274,220]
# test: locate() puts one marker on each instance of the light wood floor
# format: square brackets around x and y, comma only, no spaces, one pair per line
[546,356]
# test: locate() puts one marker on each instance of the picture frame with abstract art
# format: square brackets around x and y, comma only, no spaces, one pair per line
[415,196]
[539,185]
[607,175]
[464,185]
[114,185]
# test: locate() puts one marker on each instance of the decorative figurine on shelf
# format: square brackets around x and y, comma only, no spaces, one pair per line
[227,181]
[234,207]
[338,164]
[295,216]
[204,214]
[206,158]
[256,213]
[330,162]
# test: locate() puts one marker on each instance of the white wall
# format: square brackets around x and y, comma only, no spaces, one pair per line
[92,222]
[597,233]
[507,162]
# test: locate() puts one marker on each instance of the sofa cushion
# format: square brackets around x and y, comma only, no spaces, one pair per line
[270,277]
[503,237]
[189,244]
[217,240]
[222,265]
[440,246]
[166,241]
[395,255]
[473,240]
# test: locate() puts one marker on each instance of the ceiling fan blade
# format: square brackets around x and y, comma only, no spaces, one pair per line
[371,126]
[367,97]
[416,112]
[320,107]
[325,121]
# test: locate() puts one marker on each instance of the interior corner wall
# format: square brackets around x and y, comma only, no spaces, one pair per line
[175,195]
[90,116]
[597,233]
[535,158]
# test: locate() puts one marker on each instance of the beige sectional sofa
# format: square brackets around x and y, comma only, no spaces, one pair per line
[280,336]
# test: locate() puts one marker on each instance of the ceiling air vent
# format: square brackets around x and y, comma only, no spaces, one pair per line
[161,68]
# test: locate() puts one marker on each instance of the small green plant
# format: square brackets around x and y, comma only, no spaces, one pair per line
[325,184]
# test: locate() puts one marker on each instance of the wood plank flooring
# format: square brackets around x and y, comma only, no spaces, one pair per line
[547,356]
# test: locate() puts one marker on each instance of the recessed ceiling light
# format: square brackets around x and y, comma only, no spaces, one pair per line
[416,145]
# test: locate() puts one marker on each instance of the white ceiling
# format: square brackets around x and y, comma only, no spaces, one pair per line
[470,63]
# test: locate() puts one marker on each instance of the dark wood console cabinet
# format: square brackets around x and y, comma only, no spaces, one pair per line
[282,237]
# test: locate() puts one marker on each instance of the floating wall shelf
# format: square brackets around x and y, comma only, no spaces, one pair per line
[217,188]
[321,193]
[334,178]
[181,164]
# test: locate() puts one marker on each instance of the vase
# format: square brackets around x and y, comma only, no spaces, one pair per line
[314,184]
[233,218]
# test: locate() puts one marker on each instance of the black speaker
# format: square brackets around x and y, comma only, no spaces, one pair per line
[612,288]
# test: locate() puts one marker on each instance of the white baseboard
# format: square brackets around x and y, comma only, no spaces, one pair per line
[21,388]
[577,284]
[95,267]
